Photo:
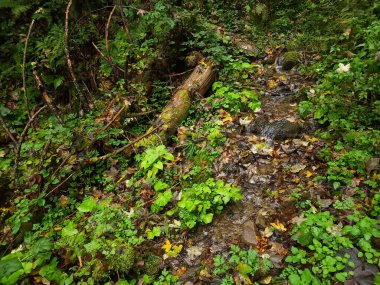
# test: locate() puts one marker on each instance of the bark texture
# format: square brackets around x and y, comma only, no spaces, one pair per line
[199,81]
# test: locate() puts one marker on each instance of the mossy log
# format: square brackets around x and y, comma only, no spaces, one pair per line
[178,107]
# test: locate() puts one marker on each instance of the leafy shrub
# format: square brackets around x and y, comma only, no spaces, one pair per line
[200,202]
[246,262]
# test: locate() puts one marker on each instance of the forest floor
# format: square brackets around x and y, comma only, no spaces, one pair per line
[270,155]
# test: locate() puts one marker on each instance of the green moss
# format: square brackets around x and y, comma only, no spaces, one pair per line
[291,59]
[123,259]
[99,271]
[152,265]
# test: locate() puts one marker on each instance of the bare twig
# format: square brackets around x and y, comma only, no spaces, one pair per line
[7,131]
[107,58]
[19,144]
[46,97]
[60,184]
[181,73]
[114,118]
[60,165]
[104,157]
[23,68]
[132,115]
[107,32]
[119,4]
[69,64]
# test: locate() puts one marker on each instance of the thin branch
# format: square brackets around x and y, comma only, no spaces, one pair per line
[67,49]
[19,144]
[107,32]
[114,118]
[132,115]
[7,131]
[23,68]
[181,73]
[108,59]
[104,157]
[119,4]
[46,97]
[60,184]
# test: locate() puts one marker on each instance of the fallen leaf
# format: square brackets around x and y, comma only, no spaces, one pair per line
[272,84]
[266,280]
[245,121]
[296,180]
[298,142]
[267,232]
[167,246]
[181,271]
[204,273]
[278,226]
[311,139]
[297,168]
[193,252]
[298,220]
[309,173]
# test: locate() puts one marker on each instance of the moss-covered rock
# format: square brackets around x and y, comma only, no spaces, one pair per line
[152,265]
[123,259]
[290,59]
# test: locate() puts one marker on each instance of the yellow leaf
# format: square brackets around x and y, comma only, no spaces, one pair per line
[311,139]
[80,261]
[278,226]
[181,271]
[63,200]
[167,246]
[57,229]
[176,249]
[204,273]
[266,280]
[296,180]
[227,119]
[272,84]
[309,173]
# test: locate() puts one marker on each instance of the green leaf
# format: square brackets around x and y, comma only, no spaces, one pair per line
[9,266]
[159,185]
[208,218]
[87,205]
[69,230]
[58,81]
[244,269]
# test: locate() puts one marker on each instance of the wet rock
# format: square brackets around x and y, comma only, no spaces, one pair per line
[277,130]
[290,60]
[364,273]
[249,232]
[261,221]
[373,164]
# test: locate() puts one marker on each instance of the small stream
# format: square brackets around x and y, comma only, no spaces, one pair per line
[258,158]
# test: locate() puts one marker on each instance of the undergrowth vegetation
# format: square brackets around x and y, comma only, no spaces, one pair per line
[81,80]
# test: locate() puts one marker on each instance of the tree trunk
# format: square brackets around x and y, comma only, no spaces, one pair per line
[178,107]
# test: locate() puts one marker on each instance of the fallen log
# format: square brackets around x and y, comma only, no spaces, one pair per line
[199,81]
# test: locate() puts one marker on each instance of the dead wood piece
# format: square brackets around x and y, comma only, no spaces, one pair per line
[199,81]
